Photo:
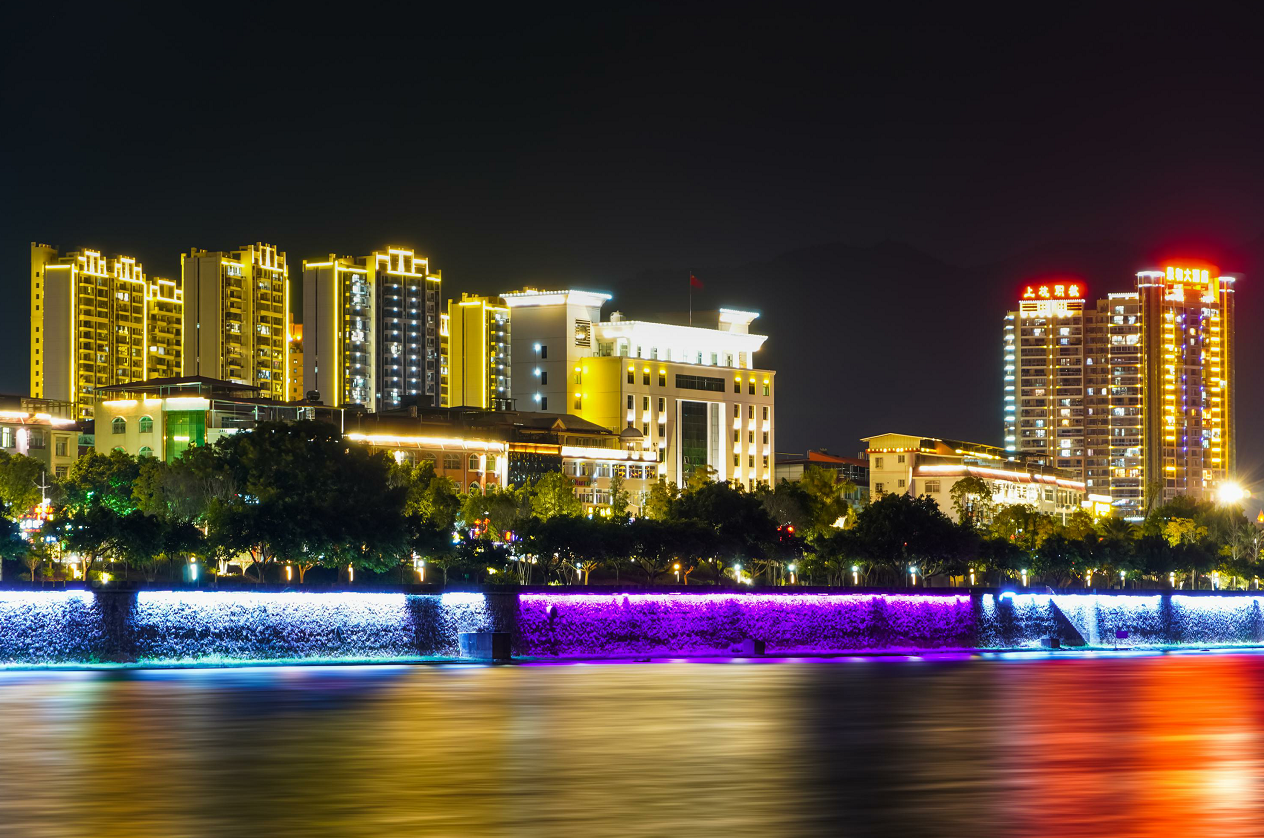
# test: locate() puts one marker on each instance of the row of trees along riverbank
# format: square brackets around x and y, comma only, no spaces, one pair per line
[289,500]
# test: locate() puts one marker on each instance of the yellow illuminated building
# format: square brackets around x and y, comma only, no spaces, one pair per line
[1133,393]
[688,397]
[477,354]
[297,391]
[371,329]
[97,322]
[235,317]
[1187,317]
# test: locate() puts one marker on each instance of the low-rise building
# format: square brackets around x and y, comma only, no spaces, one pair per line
[43,429]
[917,465]
[482,449]
[852,470]
[164,417]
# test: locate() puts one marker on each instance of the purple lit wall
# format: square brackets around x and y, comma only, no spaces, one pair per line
[577,625]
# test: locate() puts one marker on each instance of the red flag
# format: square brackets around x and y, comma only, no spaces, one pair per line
[694,282]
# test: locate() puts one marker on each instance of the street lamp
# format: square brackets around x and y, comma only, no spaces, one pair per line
[289,573]
[737,572]
[1171,579]
[1215,581]
[1024,577]
[1088,577]
[971,577]
[193,569]
[1230,493]
[855,575]
[1122,574]
[913,574]
[350,573]
[791,569]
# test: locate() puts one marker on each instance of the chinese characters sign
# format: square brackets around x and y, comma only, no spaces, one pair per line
[1055,291]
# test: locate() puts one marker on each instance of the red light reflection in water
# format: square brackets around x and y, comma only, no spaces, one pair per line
[1160,746]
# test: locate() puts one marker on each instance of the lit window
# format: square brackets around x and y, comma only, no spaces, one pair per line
[119,425]
[146,424]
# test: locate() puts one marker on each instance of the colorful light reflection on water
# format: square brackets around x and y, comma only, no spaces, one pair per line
[933,745]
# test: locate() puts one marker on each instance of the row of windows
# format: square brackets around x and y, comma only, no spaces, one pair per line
[119,425]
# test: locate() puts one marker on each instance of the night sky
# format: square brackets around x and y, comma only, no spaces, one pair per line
[878,188]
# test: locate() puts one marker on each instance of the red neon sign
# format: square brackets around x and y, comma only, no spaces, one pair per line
[1070,290]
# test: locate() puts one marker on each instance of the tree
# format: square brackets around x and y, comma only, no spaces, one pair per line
[20,479]
[619,498]
[553,495]
[661,497]
[972,501]
[896,532]
[96,497]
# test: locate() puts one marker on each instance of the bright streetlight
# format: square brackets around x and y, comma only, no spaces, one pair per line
[1024,577]
[855,575]
[1230,493]
[913,574]
[791,569]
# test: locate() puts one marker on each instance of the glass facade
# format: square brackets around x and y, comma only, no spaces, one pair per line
[183,430]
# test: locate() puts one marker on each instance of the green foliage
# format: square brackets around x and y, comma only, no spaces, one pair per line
[20,479]
[553,496]
[972,502]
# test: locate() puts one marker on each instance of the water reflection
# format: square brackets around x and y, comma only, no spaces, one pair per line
[1137,746]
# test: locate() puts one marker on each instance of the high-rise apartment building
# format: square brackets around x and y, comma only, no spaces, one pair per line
[235,316]
[1044,342]
[371,330]
[684,396]
[97,321]
[1187,337]
[477,357]
[1114,403]
[1135,392]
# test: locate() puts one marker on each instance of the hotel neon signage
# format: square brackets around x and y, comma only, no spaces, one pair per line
[1055,291]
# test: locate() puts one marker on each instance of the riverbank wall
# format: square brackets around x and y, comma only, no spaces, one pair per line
[188,627]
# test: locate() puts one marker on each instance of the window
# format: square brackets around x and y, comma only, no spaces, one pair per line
[737,385]
[61,446]
[899,484]
[750,437]
[473,462]
[700,382]
[544,378]
[765,462]
[878,488]
[645,402]
[737,459]
[932,487]
[631,402]
[62,471]
[476,489]
[752,460]
[750,388]
[765,437]
[544,351]
[119,425]
[451,462]
[899,458]
[877,462]
[544,403]
[37,440]
[765,411]
[662,406]
[145,451]
[662,378]
[737,436]
[737,411]
[645,429]
[645,378]
[631,375]
[750,412]
[146,424]
[579,402]
[767,387]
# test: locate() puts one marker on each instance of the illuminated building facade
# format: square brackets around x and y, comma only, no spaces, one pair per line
[1187,335]
[42,429]
[1114,402]
[1134,392]
[235,316]
[482,449]
[691,394]
[914,465]
[164,417]
[298,390]
[96,322]
[477,358]
[1044,357]
[371,330]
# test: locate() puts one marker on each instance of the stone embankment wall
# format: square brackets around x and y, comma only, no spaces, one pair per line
[66,627]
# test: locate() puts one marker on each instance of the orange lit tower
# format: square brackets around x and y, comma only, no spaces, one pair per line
[1187,339]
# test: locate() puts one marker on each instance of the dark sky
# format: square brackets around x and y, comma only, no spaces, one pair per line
[876,186]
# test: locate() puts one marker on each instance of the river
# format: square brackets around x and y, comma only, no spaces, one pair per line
[1162,745]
